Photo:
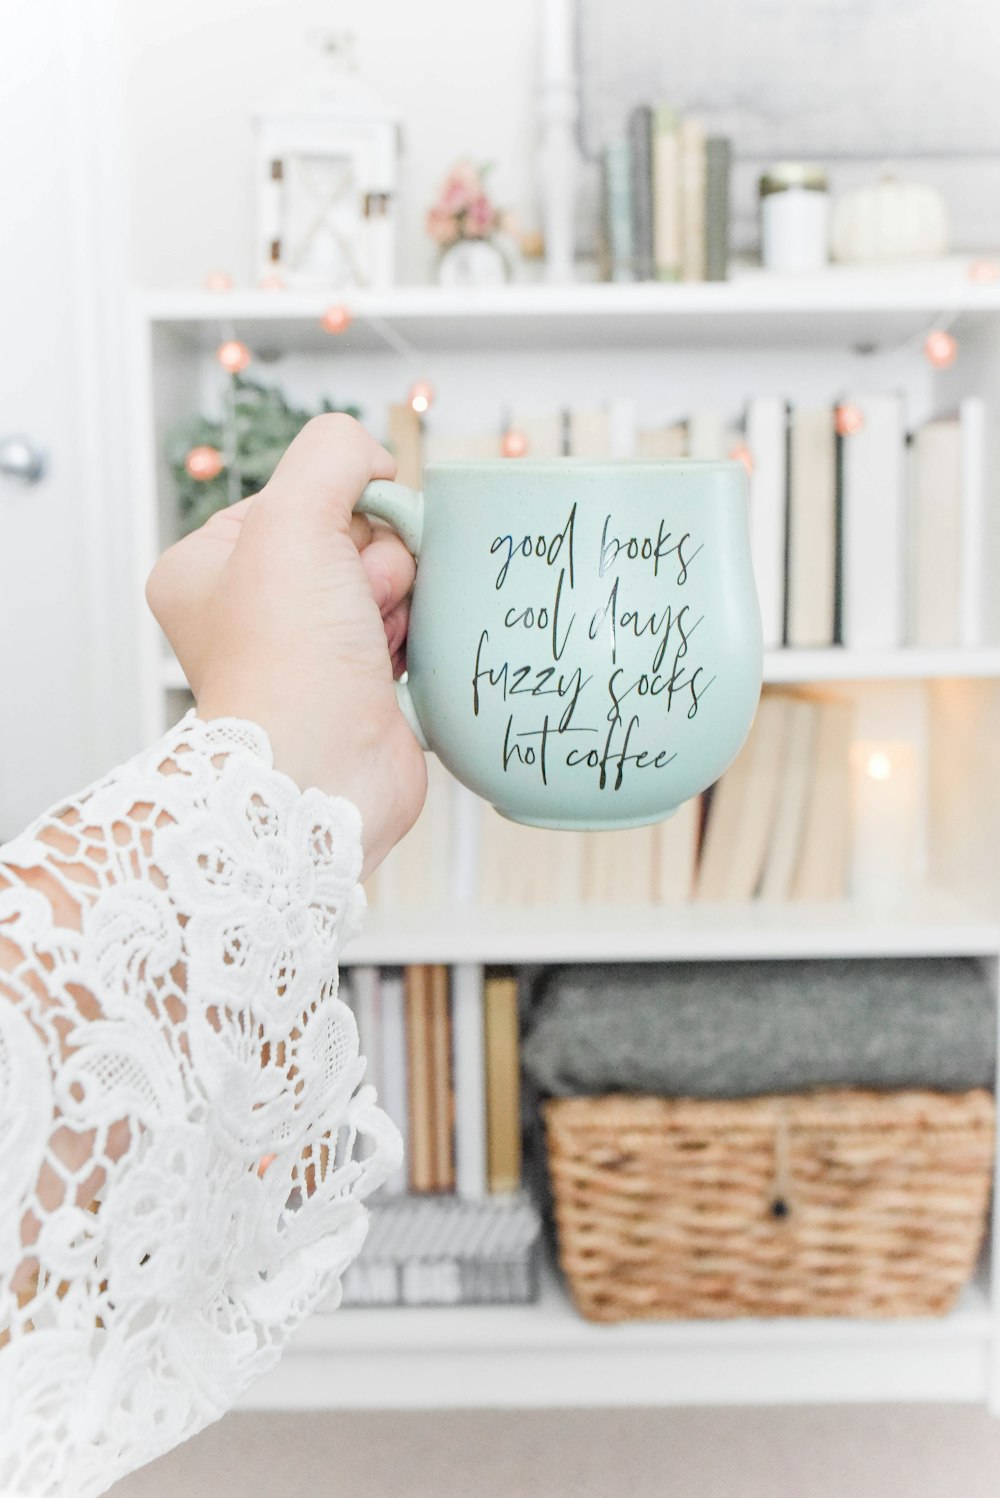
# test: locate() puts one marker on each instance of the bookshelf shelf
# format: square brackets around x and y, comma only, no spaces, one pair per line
[841,306]
[818,665]
[547,1355]
[935,923]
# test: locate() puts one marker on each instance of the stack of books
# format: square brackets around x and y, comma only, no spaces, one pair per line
[664,200]
[777,825]
[873,539]
[453,1225]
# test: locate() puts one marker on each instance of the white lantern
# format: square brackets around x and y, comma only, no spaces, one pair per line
[327,159]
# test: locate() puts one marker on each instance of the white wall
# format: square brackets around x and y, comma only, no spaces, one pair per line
[461,74]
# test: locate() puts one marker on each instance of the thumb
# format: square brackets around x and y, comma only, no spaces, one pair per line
[324,471]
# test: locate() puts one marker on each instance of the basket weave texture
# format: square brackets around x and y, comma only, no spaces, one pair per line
[839,1202]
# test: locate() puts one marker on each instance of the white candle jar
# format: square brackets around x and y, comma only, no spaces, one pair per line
[794,217]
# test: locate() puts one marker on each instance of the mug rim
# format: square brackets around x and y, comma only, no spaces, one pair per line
[519,465]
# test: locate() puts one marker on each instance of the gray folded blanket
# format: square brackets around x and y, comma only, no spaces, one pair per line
[734,1029]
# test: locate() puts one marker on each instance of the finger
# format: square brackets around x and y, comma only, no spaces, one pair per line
[361,531]
[395,625]
[391,570]
[321,475]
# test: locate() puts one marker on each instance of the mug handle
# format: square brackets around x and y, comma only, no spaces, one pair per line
[403,509]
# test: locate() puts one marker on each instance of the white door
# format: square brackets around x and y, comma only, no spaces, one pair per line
[64,682]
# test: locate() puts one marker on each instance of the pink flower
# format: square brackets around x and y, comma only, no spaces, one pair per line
[480,217]
[441,226]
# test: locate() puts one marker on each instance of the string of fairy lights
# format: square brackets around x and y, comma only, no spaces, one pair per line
[938,344]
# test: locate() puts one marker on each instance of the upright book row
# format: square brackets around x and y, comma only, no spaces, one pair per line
[664,200]
[777,826]
[869,536]
[442,1051]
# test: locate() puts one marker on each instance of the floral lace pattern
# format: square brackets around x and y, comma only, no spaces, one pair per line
[181,1100]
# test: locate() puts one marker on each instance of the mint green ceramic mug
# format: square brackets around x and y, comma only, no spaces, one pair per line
[585,641]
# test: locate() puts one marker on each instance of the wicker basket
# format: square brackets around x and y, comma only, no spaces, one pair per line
[829,1203]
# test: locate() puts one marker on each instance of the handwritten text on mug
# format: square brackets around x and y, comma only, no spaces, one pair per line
[643,658]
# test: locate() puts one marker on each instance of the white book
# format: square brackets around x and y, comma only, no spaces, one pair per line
[367,1008]
[590,433]
[394,1068]
[622,435]
[618,866]
[662,442]
[462,447]
[933,607]
[465,805]
[796,777]
[469,1069]
[872,545]
[972,618]
[675,853]
[707,436]
[812,528]
[767,439]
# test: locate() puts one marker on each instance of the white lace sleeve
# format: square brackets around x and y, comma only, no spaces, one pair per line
[169,1020]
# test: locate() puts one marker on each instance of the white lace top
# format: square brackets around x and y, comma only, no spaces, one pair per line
[169,1021]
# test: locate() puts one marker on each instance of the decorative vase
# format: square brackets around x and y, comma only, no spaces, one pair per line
[473,262]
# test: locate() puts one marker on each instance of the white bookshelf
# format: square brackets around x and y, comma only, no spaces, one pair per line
[656,345]
[547,1355]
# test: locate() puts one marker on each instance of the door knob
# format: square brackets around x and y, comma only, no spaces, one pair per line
[21,460]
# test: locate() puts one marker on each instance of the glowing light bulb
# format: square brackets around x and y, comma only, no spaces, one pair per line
[742,454]
[940,348]
[514,444]
[421,396]
[233,355]
[848,420]
[336,319]
[879,765]
[218,280]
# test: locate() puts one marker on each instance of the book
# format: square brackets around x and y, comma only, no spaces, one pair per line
[367,1006]
[740,819]
[872,552]
[707,437]
[692,199]
[618,866]
[718,167]
[767,439]
[795,775]
[666,194]
[590,433]
[442,1250]
[618,209]
[972,581]
[812,526]
[934,525]
[419,1096]
[621,427]
[469,1056]
[822,868]
[662,442]
[503,1082]
[543,432]
[394,1068]
[405,442]
[461,447]
[640,138]
[675,853]
[442,1102]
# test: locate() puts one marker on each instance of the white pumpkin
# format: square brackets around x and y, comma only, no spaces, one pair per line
[889,220]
